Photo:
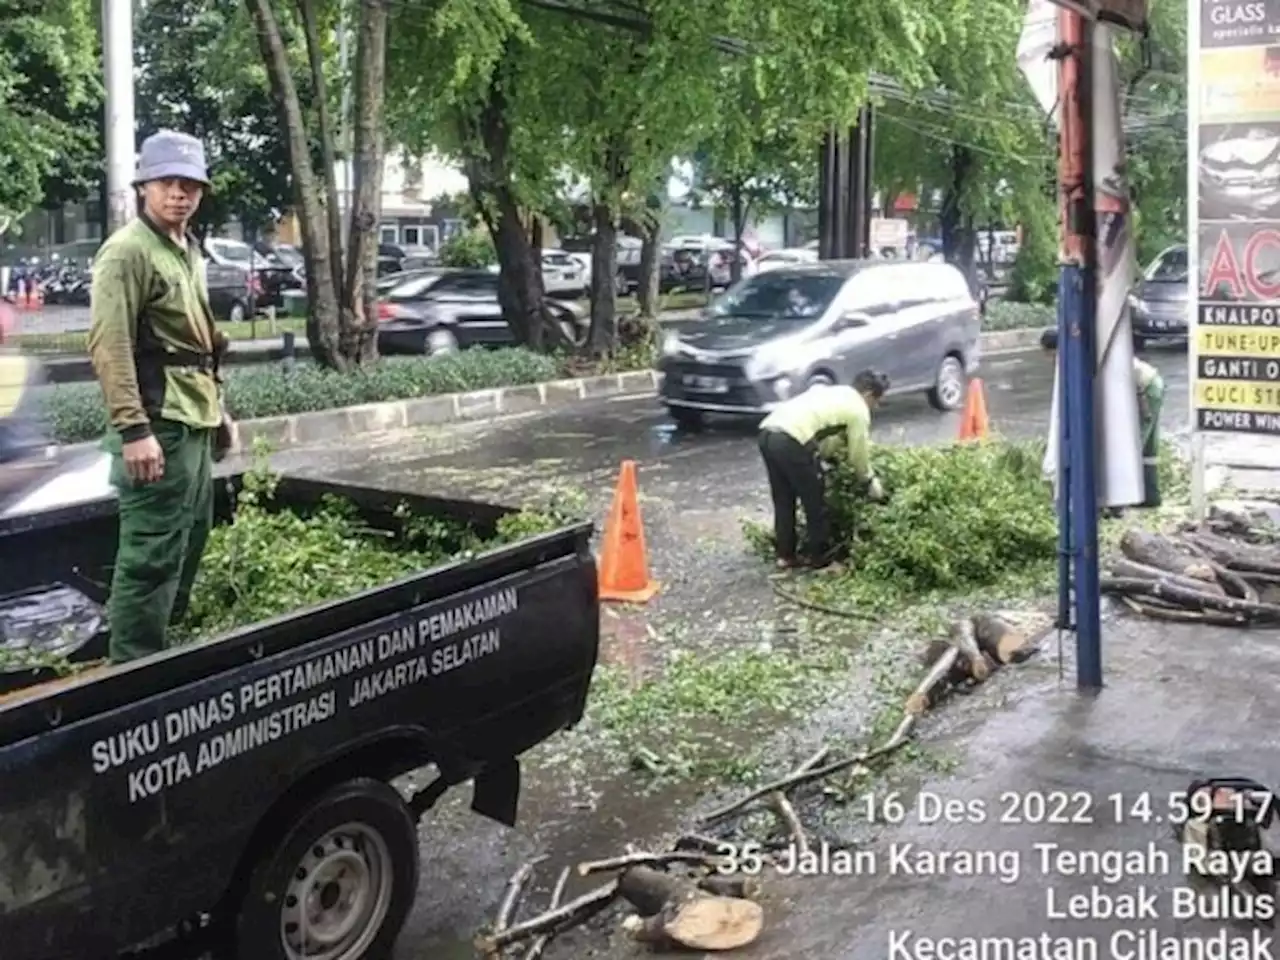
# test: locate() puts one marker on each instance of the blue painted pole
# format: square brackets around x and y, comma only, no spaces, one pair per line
[1065,558]
[1080,304]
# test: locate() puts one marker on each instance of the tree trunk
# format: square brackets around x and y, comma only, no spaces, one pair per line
[604,265]
[650,288]
[333,214]
[360,303]
[737,210]
[486,162]
[323,315]
[959,243]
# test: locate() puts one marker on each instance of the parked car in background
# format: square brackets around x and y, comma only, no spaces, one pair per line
[269,276]
[445,310]
[784,258]
[1160,303]
[772,336]
[562,275]
[627,278]
[233,291]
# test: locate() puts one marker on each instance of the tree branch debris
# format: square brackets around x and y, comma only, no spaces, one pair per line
[703,893]
[1224,571]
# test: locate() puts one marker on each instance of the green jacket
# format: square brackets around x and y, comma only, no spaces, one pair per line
[153,343]
[825,412]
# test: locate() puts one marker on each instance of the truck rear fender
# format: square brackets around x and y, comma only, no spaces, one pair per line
[384,755]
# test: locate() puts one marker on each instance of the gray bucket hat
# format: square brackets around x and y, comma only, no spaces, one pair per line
[168,153]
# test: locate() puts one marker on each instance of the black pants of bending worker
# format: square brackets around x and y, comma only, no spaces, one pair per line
[795,474]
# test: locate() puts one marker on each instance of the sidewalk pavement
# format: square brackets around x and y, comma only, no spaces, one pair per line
[1181,702]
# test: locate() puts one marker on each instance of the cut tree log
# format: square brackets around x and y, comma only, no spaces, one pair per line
[1183,615]
[1124,567]
[1237,556]
[797,779]
[933,686]
[571,914]
[961,636]
[539,946]
[678,912]
[1002,641]
[1235,584]
[1257,612]
[644,858]
[708,923]
[791,821]
[1161,552]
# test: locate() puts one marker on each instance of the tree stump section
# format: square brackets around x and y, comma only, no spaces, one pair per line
[673,911]
[1004,642]
[1161,552]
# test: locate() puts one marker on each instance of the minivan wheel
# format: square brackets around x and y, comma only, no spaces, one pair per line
[236,313]
[338,885]
[948,388]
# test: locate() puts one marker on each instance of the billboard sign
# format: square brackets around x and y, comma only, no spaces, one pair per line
[1234,144]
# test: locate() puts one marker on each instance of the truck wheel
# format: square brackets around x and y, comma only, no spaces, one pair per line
[338,885]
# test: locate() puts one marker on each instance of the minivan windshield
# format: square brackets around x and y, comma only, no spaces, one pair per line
[1169,267]
[779,296]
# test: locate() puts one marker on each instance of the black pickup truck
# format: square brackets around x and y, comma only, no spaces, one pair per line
[239,786]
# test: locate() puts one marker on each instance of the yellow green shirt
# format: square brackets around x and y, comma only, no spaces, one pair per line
[823,412]
[152,340]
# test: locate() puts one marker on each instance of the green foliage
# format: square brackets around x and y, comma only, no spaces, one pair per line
[200,72]
[468,248]
[76,411]
[248,576]
[49,91]
[1003,315]
[1034,278]
[958,518]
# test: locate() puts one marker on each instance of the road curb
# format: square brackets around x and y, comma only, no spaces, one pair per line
[319,426]
[1004,341]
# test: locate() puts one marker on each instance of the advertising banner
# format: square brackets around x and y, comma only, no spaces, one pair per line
[1234,143]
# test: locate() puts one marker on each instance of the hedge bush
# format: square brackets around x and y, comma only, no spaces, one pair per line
[1005,315]
[76,411]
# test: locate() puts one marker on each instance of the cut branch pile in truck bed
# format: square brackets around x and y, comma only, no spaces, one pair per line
[703,893]
[1225,571]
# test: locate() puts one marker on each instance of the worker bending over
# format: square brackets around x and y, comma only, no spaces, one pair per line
[789,443]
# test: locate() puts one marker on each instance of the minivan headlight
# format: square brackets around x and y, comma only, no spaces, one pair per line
[765,366]
[670,345]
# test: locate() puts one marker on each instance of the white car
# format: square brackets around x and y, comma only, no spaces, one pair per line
[562,274]
[785,258]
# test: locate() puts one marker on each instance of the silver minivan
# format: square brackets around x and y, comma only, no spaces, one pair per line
[775,334]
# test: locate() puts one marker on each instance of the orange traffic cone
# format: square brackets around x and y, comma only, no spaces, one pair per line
[624,563]
[974,424]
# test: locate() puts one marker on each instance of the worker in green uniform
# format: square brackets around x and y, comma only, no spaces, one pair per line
[1150,400]
[156,352]
[792,441]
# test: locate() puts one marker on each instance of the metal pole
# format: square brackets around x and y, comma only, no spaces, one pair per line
[1078,303]
[117,56]
[826,195]
[868,177]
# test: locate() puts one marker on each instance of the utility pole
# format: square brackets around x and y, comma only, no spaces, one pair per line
[1077,346]
[117,56]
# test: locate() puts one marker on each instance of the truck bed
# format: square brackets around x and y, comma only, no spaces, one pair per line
[135,795]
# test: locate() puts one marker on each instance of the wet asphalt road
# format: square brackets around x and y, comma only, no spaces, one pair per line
[695,490]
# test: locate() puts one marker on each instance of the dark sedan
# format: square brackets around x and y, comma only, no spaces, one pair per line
[444,310]
[1160,302]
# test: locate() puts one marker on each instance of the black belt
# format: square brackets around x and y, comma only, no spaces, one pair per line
[204,362]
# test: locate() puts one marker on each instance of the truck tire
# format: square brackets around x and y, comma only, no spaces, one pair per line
[347,870]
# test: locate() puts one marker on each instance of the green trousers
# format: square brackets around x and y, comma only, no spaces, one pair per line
[1153,398]
[163,530]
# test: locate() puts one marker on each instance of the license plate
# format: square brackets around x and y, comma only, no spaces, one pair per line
[707,384]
